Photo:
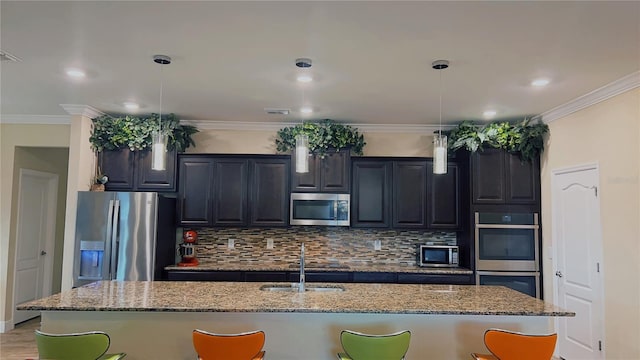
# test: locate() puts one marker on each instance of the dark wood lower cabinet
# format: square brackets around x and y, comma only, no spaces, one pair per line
[321,276]
[265,276]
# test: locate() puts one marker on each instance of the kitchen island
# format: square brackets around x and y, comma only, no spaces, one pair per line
[155,319]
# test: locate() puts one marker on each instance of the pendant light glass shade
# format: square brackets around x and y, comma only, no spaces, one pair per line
[439,154]
[302,153]
[158,150]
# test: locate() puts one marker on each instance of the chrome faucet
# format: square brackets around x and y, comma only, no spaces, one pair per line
[301,285]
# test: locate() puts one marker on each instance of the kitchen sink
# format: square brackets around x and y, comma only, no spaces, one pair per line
[294,287]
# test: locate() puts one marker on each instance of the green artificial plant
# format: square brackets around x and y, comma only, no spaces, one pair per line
[134,133]
[523,138]
[324,136]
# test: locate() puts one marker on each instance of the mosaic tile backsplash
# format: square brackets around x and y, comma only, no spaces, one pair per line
[323,245]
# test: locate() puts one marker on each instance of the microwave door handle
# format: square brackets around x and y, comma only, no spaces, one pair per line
[335,210]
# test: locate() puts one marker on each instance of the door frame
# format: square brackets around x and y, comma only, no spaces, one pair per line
[599,248]
[50,237]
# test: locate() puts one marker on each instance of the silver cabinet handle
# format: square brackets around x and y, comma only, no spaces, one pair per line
[42,252]
[558,273]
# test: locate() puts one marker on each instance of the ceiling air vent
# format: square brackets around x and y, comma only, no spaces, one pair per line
[274,111]
[5,56]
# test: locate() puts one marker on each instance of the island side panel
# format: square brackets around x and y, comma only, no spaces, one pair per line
[314,336]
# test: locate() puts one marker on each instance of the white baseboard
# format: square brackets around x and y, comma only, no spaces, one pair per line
[6,326]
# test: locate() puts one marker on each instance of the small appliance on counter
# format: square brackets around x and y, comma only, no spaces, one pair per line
[188,250]
[438,256]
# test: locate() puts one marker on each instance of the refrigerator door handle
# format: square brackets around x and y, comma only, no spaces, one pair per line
[106,272]
[114,238]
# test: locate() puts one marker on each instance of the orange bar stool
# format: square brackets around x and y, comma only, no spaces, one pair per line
[359,346]
[243,346]
[511,345]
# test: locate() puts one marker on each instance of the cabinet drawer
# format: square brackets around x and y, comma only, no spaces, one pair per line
[265,276]
[204,275]
[374,277]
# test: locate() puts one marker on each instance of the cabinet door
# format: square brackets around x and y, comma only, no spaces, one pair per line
[309,181]
[118,165]
[409,194]
[334,172]
[523,180]
[269,192]
[230,188]
[156,180]
[195,191]
[488,176]
[370,196]
[443,198]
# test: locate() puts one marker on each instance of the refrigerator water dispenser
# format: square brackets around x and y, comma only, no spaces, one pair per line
[91,256]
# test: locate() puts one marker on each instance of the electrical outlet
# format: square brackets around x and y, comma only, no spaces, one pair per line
[269,244]
[231,244]
[377,245]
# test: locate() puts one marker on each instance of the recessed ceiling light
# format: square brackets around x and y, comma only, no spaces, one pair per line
[304,78]
[489,114]
[306,110]
[76,73]
[540,82]
[131,105]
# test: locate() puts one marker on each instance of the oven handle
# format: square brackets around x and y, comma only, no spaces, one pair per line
[497,226]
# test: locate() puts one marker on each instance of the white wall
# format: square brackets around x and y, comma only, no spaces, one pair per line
[263,142]
[607,133]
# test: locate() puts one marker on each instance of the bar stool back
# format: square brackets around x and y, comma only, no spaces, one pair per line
[243,346]
[510,345]
[359,346]
[91,345]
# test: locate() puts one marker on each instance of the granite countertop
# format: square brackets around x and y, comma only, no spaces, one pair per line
[340,267]
[247,297]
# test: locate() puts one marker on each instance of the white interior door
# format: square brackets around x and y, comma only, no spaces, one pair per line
[578,262]
[35,239]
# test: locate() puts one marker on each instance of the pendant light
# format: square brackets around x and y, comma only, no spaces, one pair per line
[439,140]
[302,140]
[159,137]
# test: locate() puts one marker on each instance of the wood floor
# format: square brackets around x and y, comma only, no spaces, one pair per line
[20,343]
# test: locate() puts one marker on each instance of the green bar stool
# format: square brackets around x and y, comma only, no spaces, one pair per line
[91,345]
[359,346]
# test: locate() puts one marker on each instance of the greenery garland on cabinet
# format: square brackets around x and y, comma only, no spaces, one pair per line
[134,133]
[324,136]
[521,138]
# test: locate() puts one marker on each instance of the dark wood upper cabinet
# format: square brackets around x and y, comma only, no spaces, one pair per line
[156,180]
[331,174]
[131,171]
[371,193]
[119,166]
[523,180]
[240,190]
[409,196]
[499,177]
[269,189]
[443,197]
[195,188]
[230,192]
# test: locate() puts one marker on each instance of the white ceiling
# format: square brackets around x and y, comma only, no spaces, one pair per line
[371,60]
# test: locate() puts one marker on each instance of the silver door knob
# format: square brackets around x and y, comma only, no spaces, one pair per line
[558,274]
[43,252]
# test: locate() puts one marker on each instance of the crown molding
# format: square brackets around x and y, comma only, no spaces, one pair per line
[275,126]
[84,110]
[617,87]
[35,119]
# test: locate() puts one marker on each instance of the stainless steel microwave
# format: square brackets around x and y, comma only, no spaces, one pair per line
[438,256]
[319,209]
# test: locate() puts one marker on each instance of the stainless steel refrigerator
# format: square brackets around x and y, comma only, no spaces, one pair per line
[123,236]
